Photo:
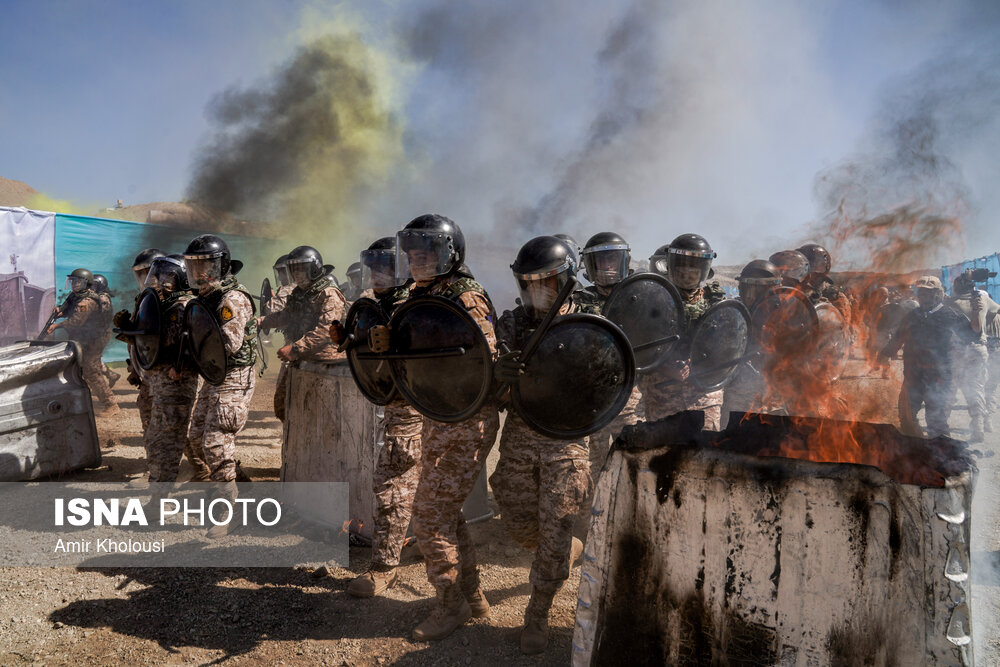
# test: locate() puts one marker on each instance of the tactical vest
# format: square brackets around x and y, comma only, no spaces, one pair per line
[303,314]
[453,291]
[588,300]
[711,294]
[388,301]
[247,354]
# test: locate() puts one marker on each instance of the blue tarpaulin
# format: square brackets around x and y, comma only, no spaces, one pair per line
[109,247]
[991,262]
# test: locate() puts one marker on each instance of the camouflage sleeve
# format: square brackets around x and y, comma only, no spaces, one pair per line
[83,311]
[277,319]
[234,313]
[318,337]
[481,310]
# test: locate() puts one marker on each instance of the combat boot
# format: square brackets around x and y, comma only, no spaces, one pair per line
[202,473]
[229,492]
[450,611]
[474,595]
[535,633]
[377,580]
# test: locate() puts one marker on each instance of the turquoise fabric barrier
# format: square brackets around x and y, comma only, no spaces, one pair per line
[109,247]
[991,262]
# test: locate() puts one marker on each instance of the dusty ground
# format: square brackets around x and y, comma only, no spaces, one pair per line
[172,616]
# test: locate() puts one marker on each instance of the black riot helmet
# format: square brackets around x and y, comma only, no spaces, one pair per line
[659,261]
[756,279]
[574,248]
[100,284]
[606,258]
[689,261]
[378,265]
[140,267]
[793,266]
[542,268]
[167,274]
[434,242]
[820,261]
[281,277]
[79,280]
[207,260]
[305,265]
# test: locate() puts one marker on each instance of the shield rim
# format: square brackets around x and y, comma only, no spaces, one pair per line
[794,291]
[149,293]
[457,309]
[352,351]
[197,302]
[745,312]
[670,287]
[619,404]
[266,294]
[826,305]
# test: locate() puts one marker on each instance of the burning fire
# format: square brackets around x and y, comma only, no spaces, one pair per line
[799,367]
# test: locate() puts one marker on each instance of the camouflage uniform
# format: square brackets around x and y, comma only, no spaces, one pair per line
[397,467]
[305,320]
[85,325]
[171,400]
[453,455]
[220,412]
[144,401]
[107,313]
[540,483]
[661,402]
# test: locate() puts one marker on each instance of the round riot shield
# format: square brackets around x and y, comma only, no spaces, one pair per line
[204,342]
[439,358]
[146,326]
[266,294]
[373,377]
[579,378]
[718,344]
[783,320]
[832,343]
[647,307]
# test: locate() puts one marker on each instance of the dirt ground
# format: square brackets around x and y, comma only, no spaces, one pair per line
[66,616]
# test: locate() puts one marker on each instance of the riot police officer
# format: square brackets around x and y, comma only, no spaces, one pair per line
[86,325]
[659,260]
[747,390]
[540,483]
[818,285]
[793,266]
[606,259]
[107,315]
[172,390]
[283,286]
[220,412]
[397,467]
[352,286]
[431,250]
[313,305]
[689,263]
[140,269]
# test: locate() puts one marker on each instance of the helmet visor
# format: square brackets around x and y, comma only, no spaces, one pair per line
[140,273]
[538,295]
[203,271]
[660,264]
[428,254]
[165,275]
[606,265]
[752,289]
[378,269]
[281,276]
[688,272]
[76,284]
[301,272]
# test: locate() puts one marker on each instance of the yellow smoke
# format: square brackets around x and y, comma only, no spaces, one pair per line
[43,202]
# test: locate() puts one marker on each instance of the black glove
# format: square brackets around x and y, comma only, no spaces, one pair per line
[508,368]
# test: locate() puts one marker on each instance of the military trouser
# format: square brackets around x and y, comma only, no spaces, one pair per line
[599,444]
[93,373]
[280,389]
[669,400]
[971,362]
[145,405]
[219,414]
[992,375]
[166,437]
[397,474]
[452,457]
[541,484]
[933,392]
